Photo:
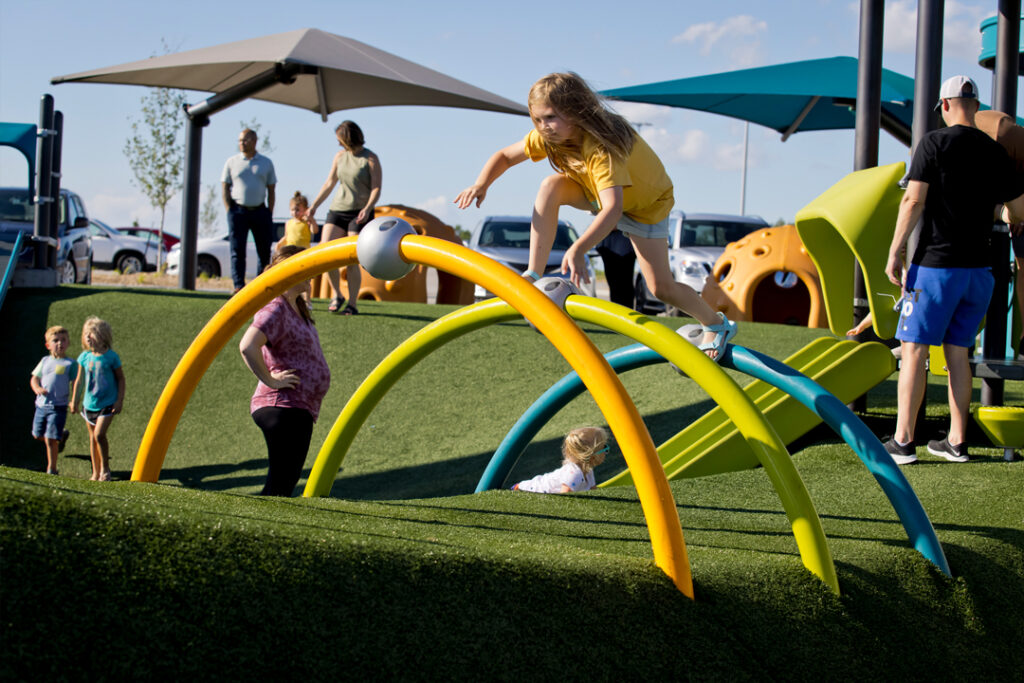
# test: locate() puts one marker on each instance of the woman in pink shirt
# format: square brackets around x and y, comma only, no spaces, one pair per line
[282,349]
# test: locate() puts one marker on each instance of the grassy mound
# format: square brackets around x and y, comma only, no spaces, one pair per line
[403,573]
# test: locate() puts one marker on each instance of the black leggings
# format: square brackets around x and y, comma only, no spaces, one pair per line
[287,432]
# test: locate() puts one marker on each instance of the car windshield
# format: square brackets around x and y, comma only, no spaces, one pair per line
[516,235]
[15,206]
[712,233]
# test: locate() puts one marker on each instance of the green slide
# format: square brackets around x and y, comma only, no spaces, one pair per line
[713,445]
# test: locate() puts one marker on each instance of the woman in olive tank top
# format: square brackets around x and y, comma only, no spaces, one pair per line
[356,172]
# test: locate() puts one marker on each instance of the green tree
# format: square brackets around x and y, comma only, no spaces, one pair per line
[156,152]
[265,147]
[210,212]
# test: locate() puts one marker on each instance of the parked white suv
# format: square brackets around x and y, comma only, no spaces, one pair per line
[506,239]
[696,241]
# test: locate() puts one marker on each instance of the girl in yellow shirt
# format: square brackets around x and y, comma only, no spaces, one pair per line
[604,167]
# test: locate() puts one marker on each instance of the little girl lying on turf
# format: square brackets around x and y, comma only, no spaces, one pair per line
[584,449]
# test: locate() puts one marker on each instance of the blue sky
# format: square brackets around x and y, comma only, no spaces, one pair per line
[429,154]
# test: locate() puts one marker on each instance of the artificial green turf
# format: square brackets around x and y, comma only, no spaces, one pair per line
[405,574]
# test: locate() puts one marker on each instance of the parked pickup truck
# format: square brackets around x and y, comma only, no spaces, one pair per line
[74,252]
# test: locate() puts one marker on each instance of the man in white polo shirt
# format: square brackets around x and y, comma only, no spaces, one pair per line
[248,178]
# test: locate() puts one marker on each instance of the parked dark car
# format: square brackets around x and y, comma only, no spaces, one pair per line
[74,251]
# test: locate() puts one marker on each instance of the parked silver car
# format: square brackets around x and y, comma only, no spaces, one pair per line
[696,241]
[506,239]
[213,254]
[124,253]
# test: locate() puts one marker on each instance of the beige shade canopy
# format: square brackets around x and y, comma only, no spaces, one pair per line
[334,73]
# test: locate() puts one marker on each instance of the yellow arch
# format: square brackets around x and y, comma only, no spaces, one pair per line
[623,418]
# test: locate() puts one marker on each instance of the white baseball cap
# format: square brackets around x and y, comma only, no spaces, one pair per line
[957,86]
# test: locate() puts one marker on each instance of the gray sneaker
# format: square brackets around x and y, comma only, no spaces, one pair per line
[944,449]
[902,455]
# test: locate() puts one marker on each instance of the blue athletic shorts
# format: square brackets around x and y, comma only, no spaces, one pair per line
[944,305]
[49,421]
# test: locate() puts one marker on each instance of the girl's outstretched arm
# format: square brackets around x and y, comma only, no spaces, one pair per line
[500,161]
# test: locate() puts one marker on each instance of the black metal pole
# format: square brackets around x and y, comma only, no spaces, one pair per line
[868,122]
[927,79]
[44,197]
[58,140]
[1004,98]
[190,201]
[198,116]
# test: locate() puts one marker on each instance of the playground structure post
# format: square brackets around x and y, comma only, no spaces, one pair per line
[868,121]
[55,164]
[44,183]
[1004,99]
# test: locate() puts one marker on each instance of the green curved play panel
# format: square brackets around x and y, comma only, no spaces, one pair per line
[854,221]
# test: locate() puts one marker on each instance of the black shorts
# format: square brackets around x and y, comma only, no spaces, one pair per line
[1018,245]
[92,415]
[347,220]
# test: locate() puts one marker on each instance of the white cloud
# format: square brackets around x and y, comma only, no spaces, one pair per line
[741,31]
[640,114]
[692,146]
[961,35]
[438,206]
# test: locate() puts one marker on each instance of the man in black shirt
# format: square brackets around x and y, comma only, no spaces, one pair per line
[957,177]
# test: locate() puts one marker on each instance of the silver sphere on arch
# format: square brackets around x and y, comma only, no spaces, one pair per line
[377,248]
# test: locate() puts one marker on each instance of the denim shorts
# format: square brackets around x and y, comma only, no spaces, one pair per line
[92,415]
[944,305]
[631,226]
[49,421]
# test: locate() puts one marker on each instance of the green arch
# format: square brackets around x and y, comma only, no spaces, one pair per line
[763,440]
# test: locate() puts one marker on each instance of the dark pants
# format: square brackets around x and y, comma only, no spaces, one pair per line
[287,432]
[618,271]
[242,221]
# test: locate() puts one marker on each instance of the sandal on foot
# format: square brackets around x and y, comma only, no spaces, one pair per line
[723,331]
[350,310]
[336,305]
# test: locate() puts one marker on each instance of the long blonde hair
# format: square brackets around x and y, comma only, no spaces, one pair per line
[569,95]
[585,446]
[101,332]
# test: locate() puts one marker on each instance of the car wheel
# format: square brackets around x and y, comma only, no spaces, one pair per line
[208,266]
[129,263]
[68,274]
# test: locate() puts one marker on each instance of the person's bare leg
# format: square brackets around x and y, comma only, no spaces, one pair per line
[52,447]
[652,256]
[909,389]
[102,425]
[961,387]
[555,191]
[354,277]
[333,232]
[94,453]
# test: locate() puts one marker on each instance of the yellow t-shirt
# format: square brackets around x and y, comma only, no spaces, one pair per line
[646,188]
[297,233]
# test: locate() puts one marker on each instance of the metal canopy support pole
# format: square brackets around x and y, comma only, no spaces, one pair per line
[44,196]
[1004,99]
[868,123]
[198,117]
